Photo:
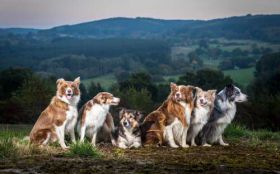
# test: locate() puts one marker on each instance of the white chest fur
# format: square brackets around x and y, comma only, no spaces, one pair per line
[96,116]
[229,114]
[200,115]
[72,113]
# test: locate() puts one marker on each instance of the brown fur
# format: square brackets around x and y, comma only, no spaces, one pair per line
[166,113]
[54,114]
[100,98]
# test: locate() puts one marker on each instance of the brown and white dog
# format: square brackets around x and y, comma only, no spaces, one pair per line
[204,104]
[60,116]
[93,115]
[171,120]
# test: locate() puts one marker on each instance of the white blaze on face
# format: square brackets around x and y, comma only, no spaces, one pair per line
[69,93]
[116,100]
[178,94]
[240,97]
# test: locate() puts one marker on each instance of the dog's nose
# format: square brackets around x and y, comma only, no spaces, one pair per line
[201,100]
[177,95]
[69,91]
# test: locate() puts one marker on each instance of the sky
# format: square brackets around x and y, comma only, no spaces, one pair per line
[50,13]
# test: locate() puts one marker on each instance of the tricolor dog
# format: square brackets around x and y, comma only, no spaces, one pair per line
[128,134]
[60,116]
[93,115]
[222,115]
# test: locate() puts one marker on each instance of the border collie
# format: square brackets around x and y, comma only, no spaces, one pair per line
[93,115]
[170,122]
[222,115]
[128,134]
[60,116]
[204,104]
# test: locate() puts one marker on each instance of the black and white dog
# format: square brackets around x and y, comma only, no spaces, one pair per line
[221,116]
[128,134]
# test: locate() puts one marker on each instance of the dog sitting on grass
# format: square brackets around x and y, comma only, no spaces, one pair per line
[94,114]
[60,116]
[221,116]
[128,134]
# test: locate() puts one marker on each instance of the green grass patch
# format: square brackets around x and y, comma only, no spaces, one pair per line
[83,150]
[105,81]
[7,148]
[261,138]
[241,76]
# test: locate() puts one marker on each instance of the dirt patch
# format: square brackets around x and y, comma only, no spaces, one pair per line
[233,159]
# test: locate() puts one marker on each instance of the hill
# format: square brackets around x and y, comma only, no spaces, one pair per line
[256,27]
[117,27]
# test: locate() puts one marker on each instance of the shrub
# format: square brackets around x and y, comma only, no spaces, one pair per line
[83,150]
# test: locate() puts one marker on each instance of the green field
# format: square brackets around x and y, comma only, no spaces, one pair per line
[241,76]
[106,81]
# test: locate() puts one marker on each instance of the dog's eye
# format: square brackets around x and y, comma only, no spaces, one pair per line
[237,92]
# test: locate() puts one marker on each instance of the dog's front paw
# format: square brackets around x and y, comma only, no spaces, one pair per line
[185,146]
[193,144]
[174,145]
[224,144]
[136,145]
[65,147]
[206,145]
[122,146]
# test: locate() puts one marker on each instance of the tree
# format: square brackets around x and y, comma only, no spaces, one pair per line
[135,99]
[11,80]
[139,81]
[29,100]
[206,79]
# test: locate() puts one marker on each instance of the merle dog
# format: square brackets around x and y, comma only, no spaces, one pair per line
[221,116]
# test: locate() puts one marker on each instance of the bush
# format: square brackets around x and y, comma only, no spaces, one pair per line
[83,150]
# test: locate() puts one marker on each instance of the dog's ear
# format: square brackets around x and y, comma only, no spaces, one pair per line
[173,86]
[229,90]
[138,115]
[212,92]
[194,92]
[59,81]
[121,113]
[77,81]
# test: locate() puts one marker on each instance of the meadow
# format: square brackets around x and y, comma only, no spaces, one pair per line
[249,151]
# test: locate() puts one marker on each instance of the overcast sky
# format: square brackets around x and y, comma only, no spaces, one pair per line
[49,13]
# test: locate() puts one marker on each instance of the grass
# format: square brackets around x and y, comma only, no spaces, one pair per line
[106,81]
[241,76]
[83,150]
[263,138]
[249,152]
[14,145]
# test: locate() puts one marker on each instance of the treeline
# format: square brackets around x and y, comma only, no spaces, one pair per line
[85,57]
[25,94]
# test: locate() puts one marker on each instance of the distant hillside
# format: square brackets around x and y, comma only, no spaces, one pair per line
[18,31]
[256,27]
[118,27]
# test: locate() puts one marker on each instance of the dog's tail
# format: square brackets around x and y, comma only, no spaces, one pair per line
[114,136]
[144,127]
